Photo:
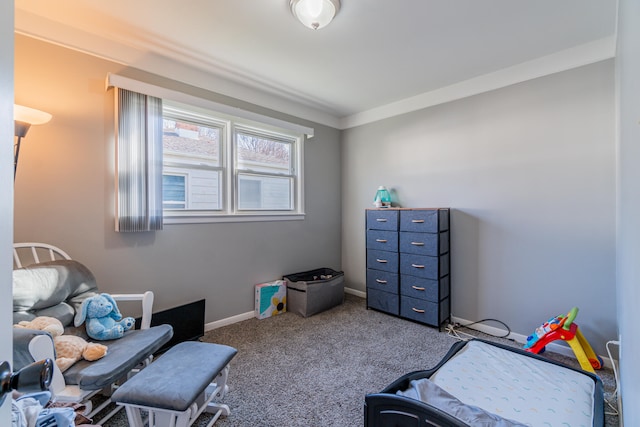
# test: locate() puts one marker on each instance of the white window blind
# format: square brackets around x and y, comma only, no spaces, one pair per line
[138,162]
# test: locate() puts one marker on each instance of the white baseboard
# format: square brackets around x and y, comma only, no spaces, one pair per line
[229,321]
[556,347]
[355,292]
[250,314]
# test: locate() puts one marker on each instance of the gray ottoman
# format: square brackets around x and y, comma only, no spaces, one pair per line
[177,387]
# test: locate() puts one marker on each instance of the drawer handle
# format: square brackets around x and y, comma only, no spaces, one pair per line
[417,243]
[417,310]
[417,265]
[417,288]
[383,282]
[381,260]
[381,219]
[381,240]
[417,221]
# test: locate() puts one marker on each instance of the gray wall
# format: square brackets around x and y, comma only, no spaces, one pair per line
[529,171]
[64,196]
[628,70]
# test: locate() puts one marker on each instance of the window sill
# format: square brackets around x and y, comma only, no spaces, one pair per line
[197,218]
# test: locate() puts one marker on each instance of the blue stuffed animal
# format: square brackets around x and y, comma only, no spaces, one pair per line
[104,321]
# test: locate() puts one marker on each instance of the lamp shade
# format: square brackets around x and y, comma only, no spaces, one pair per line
[24,117]
[30,115]
[315,14]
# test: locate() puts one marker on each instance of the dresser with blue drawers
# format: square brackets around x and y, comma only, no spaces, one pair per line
[408,263]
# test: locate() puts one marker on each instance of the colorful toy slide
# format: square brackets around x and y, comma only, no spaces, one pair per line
[564,328]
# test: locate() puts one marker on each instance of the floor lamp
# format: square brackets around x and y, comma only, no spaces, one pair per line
[23,118]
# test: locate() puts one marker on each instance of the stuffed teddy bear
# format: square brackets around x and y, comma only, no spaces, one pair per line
[43,323]
[69,348]
[104,321]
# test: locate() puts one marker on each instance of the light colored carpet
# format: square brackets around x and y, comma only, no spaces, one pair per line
[315,371]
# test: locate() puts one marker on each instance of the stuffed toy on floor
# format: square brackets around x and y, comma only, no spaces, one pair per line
[103,319]
[69,348]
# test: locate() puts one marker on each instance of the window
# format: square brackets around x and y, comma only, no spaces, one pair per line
[217,166]
[192,175]
[174,191]
[182,158]
[265,171]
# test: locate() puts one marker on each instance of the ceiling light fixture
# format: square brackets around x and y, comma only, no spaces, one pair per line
[315,14]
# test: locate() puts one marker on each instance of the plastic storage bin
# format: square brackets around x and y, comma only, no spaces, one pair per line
[314,291]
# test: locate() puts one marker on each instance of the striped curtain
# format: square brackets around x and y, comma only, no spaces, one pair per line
[138,162]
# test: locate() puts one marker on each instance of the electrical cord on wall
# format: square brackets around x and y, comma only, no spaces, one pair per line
[614,396]
[454,329]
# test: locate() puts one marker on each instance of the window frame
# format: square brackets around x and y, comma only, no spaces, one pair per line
[293,167]
[229,171]
[186,184]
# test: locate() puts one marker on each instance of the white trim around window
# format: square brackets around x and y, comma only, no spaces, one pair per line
[219,171]
[115,80]
[228,121]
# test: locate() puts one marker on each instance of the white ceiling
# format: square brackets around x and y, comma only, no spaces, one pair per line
[376,59]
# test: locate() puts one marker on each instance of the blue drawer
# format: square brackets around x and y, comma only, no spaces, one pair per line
[382,260]
[423,311]
[382,280]
[382,219]
[382,240]
[431,244]
[383,301]
[424,220]
[424,266]
[427,289]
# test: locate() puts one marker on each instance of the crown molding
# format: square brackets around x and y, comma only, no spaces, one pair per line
[575,57]
[177,64]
